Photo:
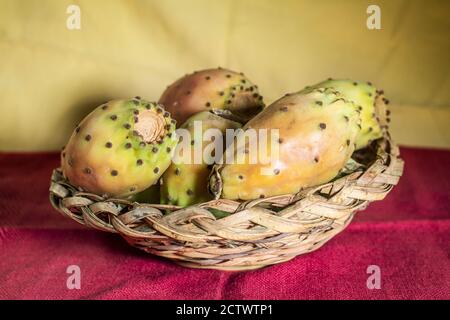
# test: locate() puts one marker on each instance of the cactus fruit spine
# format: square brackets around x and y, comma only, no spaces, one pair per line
[120,148]
[219,90]
[185,184]
[317,133]
[370,103]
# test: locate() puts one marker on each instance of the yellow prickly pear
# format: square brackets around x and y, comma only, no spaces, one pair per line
[220,90]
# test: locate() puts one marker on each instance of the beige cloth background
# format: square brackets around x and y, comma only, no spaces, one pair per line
[50,77]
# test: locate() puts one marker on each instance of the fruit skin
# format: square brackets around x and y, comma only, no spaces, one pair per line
[120,148]
[220,90]
[185,184]
[317,132]
[369,100]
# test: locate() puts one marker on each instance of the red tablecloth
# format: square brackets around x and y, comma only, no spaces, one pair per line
[407,235]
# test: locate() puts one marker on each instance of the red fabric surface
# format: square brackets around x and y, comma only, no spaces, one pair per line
[407,235]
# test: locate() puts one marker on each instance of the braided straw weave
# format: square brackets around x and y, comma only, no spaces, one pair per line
[259,232]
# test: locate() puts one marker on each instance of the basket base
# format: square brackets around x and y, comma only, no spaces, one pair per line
[235,268]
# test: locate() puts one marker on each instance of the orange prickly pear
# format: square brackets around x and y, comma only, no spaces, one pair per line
[220,90]
[317,133]
[184,184]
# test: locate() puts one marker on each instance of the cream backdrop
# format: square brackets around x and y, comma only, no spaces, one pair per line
[50,77]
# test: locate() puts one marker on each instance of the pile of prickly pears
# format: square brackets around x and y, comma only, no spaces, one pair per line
[211,136]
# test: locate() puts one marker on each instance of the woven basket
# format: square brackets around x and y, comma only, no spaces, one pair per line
[259,232]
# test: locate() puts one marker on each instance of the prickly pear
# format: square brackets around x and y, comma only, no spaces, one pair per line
[184,184]
[220,90]
[121,148]
[370,103]
[317,131]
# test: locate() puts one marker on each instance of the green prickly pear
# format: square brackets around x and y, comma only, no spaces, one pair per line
[220,90]
[184,184]
[120,148]
[317,133]
[370,103]
[149,195]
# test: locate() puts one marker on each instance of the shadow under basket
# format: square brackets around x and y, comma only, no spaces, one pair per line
[258,233]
